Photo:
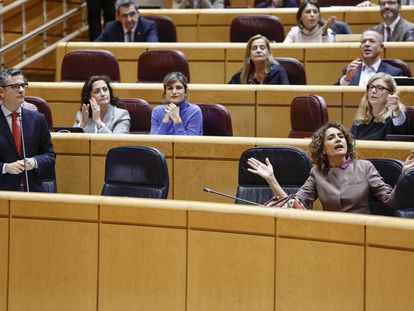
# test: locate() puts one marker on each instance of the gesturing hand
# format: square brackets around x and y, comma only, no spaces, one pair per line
[263,170]
[328,25]
[352,68]
[409,162]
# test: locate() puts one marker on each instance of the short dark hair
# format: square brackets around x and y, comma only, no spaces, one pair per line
[125,3]
[87,89]
[10,72]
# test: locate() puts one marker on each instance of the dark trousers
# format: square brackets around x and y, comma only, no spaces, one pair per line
[95,7]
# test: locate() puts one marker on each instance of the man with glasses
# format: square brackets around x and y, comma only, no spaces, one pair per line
[25,141]
[360,70]
[130,27]
[394,27]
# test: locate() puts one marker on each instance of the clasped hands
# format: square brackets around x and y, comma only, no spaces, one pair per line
[172,111]
[18,166]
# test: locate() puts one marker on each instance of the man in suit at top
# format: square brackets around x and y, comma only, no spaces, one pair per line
[359,71]
[15,120]
[130,27]
[394,27]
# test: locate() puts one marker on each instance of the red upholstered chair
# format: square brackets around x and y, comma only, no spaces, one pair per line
[399,64]
[244,27]
[43,107]
[79,66]
[216,120]
[294,69]
[307,114]
[166,28]
[140,113]
[154,65]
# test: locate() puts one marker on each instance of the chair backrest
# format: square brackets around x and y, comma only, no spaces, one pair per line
[404,194]
[43,107]
[47,176]
[154,65]
[140,113]
[291,166]
[166,28]
[390,171]
[80,65]
[307,114]
[136,171]
[294,69]
[399,64]
[244,27]
[409,111]
[216,120]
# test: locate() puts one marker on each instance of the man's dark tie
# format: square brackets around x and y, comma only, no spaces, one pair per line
[388,29]
[129,36]
[16,131]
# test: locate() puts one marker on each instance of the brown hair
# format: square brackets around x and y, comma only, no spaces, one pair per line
[317,143]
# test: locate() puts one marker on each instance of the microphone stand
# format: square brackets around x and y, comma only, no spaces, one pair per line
[24,155]
[232,197]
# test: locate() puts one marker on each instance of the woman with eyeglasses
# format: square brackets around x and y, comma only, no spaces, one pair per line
[380,111]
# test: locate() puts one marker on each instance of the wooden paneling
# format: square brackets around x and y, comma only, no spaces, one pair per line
[218,62]
[4,250]
[312,275]
[230,272]
[389,271]
[142,266]
[187,255]
[53,265]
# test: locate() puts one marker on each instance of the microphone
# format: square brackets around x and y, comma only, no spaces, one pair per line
[24,154]
[232,197]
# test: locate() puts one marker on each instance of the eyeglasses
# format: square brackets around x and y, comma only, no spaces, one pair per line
[377,88]
[17,86]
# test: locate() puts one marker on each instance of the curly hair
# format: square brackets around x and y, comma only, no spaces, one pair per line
[87,89]
[364,113]
[316,146]
[302,7]
[248,65]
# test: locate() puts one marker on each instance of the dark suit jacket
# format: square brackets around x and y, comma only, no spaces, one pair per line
[341,28]
[37,144]
[383,67]
[286,4]
[400,31]
[146,31]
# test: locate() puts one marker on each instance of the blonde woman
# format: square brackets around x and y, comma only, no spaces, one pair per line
[380,111]
[259,67]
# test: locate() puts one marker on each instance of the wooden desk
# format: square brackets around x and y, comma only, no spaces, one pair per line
[256,110]
[104,253]
[193,162]
[213,25]
[218,62]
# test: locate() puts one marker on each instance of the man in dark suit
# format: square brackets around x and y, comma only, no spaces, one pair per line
[15,121]
[130,27]
[359,71]
[394,27]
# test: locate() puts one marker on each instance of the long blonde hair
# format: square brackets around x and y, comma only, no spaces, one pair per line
[364,113]
[248,66]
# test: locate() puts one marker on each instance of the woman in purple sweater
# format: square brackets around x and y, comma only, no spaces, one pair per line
[342,183]
[177,116]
